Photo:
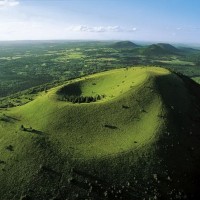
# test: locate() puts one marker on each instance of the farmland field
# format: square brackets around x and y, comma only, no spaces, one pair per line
[28,64]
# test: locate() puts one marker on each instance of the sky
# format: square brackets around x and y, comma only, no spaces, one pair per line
[175,21]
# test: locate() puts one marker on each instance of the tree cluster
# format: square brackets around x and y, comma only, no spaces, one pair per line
[82,99]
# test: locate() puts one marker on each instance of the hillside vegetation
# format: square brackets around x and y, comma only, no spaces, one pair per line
[160,49]
[139,140]
[124,45]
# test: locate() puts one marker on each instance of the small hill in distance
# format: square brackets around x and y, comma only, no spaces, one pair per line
[124,45]
[160,49]
[167,47]
[189,50]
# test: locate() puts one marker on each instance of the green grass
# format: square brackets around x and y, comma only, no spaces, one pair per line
[47,113]
[197,79]
[121,133]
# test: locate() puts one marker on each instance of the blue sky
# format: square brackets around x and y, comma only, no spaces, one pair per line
[137,20]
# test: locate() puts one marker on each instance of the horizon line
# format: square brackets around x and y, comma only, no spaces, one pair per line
[101,40]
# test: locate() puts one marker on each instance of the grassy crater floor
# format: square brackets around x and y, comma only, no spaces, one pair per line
[142,135]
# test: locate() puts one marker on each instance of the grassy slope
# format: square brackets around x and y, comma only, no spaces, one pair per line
[47,114]
[197,79]
[140,103]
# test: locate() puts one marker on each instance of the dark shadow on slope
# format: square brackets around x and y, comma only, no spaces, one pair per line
[10,148]
[179,144]
[6,118]
[193,87]
[2,162]
[110,126]
[73,89]
[125,107]
[36,132]
[30,130]
[102,189]
[49,171]
[13,118]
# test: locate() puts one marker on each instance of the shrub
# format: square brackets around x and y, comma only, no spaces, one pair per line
[22,128]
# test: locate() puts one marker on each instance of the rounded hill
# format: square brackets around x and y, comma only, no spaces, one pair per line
[141,123]
[124,45]
[160,49]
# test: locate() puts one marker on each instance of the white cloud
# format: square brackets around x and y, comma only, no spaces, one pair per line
[8,3]
[133,29]
[114,29]
[80,28]
[99,29]
[84,28]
